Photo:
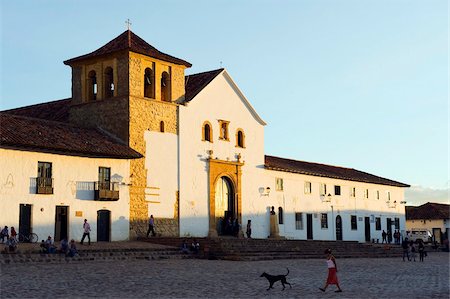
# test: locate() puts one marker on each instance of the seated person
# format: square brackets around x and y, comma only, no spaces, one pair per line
[4,234]
[195,246]
[72,249]
[11,245]
[184,247]
[49,245]
[42,247]
[64,246]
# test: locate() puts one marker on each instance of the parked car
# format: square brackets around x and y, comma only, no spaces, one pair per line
[416,234]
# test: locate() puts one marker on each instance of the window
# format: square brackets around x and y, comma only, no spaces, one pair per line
[207,132]
[324,220]
[323,189]
[104,178]
[378,194]
[224,130]
[161,126]
[109,83]
[280,215]
[92,86]
[165,87]
[337,190]
[353,192]
[44,181]
[279,184]
[307,187]
[240,138]
[397,223]
[298,221]
[149,83]
[378,223]
[353,222]
[388,195]
[366,193]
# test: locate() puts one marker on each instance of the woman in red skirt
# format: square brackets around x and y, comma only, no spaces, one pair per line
[332,269]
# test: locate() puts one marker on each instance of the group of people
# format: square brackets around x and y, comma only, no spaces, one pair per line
[194,247]
[232,227]
[66,248]
[387,237]
[410,249]
[9,239]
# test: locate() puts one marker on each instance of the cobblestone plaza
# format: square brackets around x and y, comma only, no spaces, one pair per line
[194,278]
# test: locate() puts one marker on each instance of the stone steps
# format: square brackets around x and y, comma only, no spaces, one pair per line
[268,249]
[91,255]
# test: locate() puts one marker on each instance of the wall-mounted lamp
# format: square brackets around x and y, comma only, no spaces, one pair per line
[264,191]
[326,198]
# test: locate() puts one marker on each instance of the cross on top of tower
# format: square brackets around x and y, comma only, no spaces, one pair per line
[128,24]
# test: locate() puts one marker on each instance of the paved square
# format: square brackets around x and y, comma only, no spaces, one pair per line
[359,278]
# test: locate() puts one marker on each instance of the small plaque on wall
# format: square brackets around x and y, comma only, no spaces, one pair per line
[78,213]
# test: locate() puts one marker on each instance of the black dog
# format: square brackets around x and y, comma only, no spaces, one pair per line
[274,278]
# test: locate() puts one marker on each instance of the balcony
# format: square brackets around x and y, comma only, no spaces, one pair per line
[44,185]
[106,191]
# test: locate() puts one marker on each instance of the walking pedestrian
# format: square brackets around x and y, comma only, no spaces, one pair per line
[421,250]
[332,270]
[412,248]
[86,232]
[405,249]
[383,235]
[249,229]
[151,226]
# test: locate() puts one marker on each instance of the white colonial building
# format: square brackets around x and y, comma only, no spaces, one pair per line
[138,137]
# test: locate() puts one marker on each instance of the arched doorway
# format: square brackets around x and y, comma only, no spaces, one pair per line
[338,228]
[225,205]
[103,225]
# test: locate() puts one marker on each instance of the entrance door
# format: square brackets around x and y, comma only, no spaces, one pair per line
[225,203]
[25,219]
[61,222]
[338,228]
[367,228]
[309,228]
[437,235]
[103,225]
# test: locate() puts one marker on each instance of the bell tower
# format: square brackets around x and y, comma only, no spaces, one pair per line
[127,88]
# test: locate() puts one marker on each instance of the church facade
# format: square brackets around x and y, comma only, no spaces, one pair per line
[141,138]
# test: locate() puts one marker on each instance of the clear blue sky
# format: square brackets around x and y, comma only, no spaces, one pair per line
[360,84]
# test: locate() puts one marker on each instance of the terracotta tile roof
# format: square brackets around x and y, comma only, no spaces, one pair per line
[32,134]
[55,110]
[430,211]
[196,82]
[130,41]
[329,171]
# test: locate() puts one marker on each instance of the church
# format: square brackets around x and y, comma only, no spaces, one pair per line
[139,137]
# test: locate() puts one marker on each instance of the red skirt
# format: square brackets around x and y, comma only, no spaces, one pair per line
[332,277]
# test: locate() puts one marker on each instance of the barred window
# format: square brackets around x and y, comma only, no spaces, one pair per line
[353,222]
[324,220]
[279,184]
[298,221]
[378,223]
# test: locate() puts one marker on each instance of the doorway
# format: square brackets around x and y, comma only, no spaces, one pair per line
[225,205]
[338,228]
[25,219]
[367,228]
[61,222]
[309,227]
[103,225]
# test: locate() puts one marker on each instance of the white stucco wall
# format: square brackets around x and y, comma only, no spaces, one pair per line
[294,200]
[161,162]
[220,100]
[73,179]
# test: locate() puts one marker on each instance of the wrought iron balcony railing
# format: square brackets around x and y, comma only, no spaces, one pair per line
[44,185]
[106,191]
